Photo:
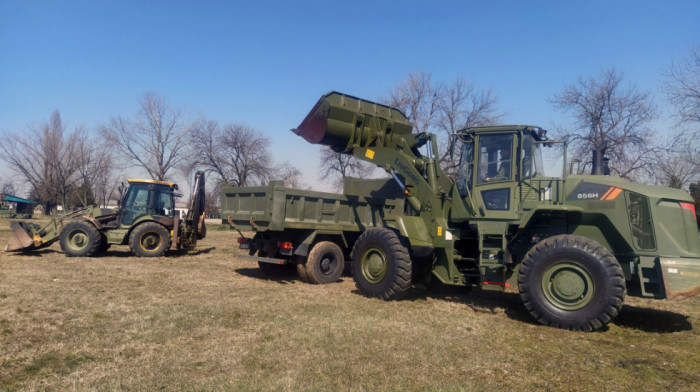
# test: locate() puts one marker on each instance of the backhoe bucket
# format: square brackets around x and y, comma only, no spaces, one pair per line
[22,238]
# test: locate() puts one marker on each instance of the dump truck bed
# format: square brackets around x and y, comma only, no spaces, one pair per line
[277,208]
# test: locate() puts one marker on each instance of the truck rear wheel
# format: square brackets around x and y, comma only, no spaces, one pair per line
[301,268]
[149,239]
[325,263]
[381,265]
[571,282]
[79,239]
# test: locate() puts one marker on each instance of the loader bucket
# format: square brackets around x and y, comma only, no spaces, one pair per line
[343,121]
[22,238]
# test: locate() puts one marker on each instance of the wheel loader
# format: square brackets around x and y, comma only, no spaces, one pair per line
[146,220]
[573,245]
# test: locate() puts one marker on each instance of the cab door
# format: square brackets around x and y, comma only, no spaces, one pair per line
[494,185]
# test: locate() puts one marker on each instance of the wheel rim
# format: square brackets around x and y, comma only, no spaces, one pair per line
[568,286]
[78,239]
[374,266]
[328,264]
[150,241]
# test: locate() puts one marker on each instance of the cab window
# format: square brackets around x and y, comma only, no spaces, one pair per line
[495,162]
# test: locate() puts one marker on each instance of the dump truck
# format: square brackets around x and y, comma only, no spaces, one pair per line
[574,245]
[305,230]
[146,220]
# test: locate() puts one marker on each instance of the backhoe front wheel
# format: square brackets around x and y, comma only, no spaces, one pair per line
[80,239]
[381,265]
[571,282]
[149,239]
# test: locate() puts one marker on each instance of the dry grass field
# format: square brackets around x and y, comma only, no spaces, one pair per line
[207,321]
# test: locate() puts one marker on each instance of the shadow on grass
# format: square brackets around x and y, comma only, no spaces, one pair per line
[652,320]
[479,301]
[258,273]
[36,253]
[195,252]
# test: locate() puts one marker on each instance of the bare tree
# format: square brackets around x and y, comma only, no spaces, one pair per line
[683,91]
[335,166]
[156,140]
[611,116]
[419,98]
[444,109]
[237,154]
[462,106]
[289,174]
[45,157]
[95,166]
[105,187]
[7,187]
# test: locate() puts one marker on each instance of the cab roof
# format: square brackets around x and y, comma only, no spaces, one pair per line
[539,132]
[170,184]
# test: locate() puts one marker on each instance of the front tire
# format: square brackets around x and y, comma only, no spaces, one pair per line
[381,265]
[149,239]
[571,282]
[325,263]
[80,239]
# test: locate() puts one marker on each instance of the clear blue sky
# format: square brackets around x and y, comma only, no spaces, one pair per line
[266,63]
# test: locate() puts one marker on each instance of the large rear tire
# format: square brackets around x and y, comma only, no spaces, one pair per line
[325,263]
[571,282]
[80,239]
[381,265]
[149,239]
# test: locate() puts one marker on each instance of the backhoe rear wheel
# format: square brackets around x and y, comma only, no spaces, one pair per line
[381,265]
[325,263]
[571,282]
[80,239]
[149,239]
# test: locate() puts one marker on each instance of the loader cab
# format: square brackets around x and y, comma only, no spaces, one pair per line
[147,198]
[494,161]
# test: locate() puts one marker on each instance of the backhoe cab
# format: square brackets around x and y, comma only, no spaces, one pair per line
[146,220]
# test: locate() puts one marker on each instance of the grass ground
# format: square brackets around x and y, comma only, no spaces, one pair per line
[209,321]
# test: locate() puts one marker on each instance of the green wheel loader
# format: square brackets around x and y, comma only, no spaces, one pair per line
[573,245]
[146,221]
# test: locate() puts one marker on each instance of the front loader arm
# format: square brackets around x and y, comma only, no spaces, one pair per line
[383,135]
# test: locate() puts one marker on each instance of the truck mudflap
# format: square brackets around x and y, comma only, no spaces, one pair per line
[681,277]
[271,260]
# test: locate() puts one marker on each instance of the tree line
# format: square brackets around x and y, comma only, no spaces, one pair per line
[77,168]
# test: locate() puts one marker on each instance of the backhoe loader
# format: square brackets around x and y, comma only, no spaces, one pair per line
[146,220]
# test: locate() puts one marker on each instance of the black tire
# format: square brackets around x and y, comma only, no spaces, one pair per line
[149,239]
[571,282]
[325,263]
[301,269]
[381,265]
[80,239]
[104,245]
